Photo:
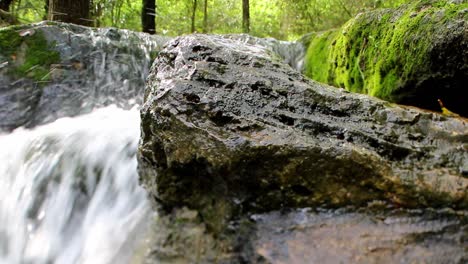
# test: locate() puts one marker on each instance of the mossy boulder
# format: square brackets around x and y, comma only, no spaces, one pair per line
[414,54]
[28,51]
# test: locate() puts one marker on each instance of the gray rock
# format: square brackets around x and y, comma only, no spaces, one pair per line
[228,130]
[95,68]
[347,236]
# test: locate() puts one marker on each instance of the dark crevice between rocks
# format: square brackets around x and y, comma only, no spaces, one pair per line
[193,98]
[220,119]
[287,120]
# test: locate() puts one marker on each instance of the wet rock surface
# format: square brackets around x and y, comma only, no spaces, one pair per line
[50,70]
[228,131]
[362,236]
[72,70]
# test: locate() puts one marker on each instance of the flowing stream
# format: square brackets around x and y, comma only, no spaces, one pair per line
[69,190]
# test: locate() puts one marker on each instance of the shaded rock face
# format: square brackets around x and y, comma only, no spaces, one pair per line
[228,130]
[50,70]
[414,54]
[362,236]
[347,235]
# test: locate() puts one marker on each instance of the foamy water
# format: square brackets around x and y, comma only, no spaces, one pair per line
[69,190]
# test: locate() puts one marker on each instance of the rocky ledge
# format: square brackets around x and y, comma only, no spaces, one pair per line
[50,70]
[229,132]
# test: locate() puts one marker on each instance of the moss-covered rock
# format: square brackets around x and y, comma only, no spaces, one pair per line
[52,69]
[414,54]
[28,51]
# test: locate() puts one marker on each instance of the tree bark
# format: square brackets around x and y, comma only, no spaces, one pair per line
[70,11]
[148,16]
[46,9]
[5,5]
[205,17]
[194,10]
[245,16]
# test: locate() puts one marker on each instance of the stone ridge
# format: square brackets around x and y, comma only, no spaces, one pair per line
[50,70]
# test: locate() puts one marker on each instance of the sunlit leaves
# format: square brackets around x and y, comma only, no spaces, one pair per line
[283,19]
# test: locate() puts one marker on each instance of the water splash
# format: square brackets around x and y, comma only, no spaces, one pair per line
[69,190]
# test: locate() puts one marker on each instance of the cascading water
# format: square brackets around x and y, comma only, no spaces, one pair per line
[69,190]
[292,53]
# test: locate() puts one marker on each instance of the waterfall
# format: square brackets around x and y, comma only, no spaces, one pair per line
[69,190]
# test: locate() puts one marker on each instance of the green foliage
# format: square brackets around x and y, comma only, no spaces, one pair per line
[28,11]
[117,13]
[318,63]
[31,55]
[281,19]
[303,16]
[380,52]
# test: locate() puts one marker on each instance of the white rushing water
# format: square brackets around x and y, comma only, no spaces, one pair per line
[69,190]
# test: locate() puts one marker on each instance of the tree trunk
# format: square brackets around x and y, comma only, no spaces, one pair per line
[245,16]
[70,11]
[46,9]
[97,13]
[205,17]
[5,5]
[148,16]
[194,10]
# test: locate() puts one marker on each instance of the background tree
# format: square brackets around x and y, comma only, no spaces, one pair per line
[5,5]
[70,11]
[205,17]
[281,19]
[5,16]
[194,12]
[46,9]
[245,16]
[148,16]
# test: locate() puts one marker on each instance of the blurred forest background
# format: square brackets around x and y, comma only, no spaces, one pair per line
[281,19]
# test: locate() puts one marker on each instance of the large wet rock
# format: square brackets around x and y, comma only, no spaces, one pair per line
[414,54]
[228,131]
[306,235]
[50,70]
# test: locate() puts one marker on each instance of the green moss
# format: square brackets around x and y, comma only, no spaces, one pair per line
[153,54]
[30,55]
[317,55]
[9,41]
[381,52]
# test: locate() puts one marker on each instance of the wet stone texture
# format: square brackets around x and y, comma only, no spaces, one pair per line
[228,131]
[50,70]
[347,236]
